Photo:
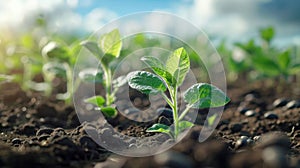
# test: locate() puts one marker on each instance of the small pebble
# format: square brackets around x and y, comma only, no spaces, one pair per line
[250,113]
[242,142]
[292,104]
[280,102]
[242,109]
[270,115]
[250,97]
[250,141]
[16,141]
[236,127]
[165,112]
[256,138]
[42,131]
[4,124]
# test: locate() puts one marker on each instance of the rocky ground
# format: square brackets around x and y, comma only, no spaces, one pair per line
[259,128]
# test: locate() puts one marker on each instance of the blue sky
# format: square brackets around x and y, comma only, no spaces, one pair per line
[231,19]
[130,6]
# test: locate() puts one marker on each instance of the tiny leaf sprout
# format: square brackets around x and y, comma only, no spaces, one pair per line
[106,50]
[168,78]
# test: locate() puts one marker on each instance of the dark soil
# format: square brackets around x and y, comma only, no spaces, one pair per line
[256,130]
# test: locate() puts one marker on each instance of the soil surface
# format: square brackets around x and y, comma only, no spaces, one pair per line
[259,128]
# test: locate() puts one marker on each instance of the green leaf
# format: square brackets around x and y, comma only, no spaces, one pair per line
[203,95]
[178,65]
[211,119]
[55,51]
[159,69]
[96,100]
[93,48]
[153,62]
[111,43]
[109,111]
[267,34]
[182,125]
[146,82]
[55,68]
[284,60]
[91,75]
[159,128]
[295,69]
[265,65]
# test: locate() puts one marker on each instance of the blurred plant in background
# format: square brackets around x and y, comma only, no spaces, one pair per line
[41,60]
[260,59]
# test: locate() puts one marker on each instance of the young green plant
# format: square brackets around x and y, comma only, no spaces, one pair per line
[169,77]
[106,50]
[59,61]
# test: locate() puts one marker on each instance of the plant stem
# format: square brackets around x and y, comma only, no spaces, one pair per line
[107,73]
[69,75]
[170,103]
[184,112]
[173,93]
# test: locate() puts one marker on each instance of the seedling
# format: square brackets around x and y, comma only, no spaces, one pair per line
[168,78]
[59,60]
[107,50]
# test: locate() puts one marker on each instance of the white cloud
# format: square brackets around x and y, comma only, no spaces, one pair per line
[15,11]
[98,18]
[239,20]
[60,16]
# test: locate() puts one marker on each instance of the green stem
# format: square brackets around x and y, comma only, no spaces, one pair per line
[170,103]
[107,73]
[184,112]
[173,93]
[69,75]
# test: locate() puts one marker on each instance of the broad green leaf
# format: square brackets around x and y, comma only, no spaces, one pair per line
[153,62]
[111,43]
[265,65]
[178,65]
[295,69]
[211,119]
[203,95]
[93,48]
[109,111]
[159,69]
[96,100]
[146,82]
[53,50]
[284,60]
[159,128]
[182,125]
[55,68]
[91,75]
